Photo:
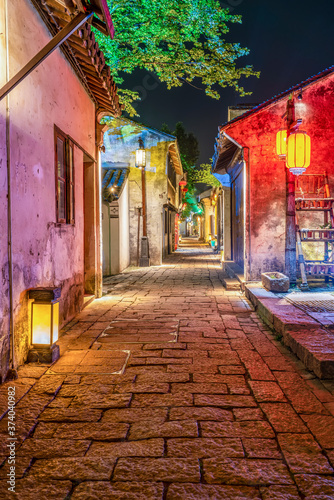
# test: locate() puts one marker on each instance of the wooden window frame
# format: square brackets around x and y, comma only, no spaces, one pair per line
[68,179]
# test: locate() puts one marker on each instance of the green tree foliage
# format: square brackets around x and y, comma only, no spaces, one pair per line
[178,40]
[203,174]
[189,153]
[188,144]
[189,150]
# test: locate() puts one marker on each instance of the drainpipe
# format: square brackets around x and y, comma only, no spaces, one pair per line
[248,202]
[12,371]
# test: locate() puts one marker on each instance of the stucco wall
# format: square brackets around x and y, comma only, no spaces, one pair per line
[44,253]
[4,291]
[121,144]
[124,234]
[265,210]
[116,236]
[156,197]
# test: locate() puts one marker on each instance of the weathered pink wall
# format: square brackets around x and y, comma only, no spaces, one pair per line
[266,210]
[44,254]
[4,295]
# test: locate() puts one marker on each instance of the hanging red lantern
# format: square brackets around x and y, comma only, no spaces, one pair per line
[182,183]
[281,143]
[185,190]
[298,152]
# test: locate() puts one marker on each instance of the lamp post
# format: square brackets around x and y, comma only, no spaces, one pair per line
[141,163]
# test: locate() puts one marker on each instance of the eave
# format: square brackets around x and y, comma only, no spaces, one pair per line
[226,155]
[175,156]
[83,52]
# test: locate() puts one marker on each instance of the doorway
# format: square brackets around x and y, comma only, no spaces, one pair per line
[238,228]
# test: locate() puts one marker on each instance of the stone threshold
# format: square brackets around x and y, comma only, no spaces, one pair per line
[304,335]
[88,299]
[233,276]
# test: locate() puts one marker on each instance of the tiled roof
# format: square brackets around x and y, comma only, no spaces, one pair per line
[83,51]
[276,98]
[113,180]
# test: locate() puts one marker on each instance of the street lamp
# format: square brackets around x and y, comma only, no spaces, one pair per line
[141,163]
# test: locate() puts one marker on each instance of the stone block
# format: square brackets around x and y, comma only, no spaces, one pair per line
[211,492]
[205,447]
[275,282]
[96,490]
[157,469]
[242,471]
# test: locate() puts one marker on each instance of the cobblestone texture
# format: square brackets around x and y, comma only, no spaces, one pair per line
[170,388]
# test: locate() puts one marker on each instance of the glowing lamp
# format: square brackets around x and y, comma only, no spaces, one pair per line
[298,153]
[182,183]
[281,143]
[140,155]
[185,190]
[44,323]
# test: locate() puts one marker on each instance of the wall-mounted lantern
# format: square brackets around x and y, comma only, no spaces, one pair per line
[298,154]
[281,143]
[44,324]
[292,144]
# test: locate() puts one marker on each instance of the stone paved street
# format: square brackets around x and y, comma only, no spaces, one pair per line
[171,388]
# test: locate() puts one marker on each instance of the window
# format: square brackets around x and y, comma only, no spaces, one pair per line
[64,153]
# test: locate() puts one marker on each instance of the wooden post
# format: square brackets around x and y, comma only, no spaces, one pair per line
[290,231]
[138,235]
[143,187]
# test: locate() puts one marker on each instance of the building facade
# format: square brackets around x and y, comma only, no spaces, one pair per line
[246,151]
[49,169]
[163,172]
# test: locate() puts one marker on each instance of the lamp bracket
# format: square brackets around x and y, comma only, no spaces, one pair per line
[295,125]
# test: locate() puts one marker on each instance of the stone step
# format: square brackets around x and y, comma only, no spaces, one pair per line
[233,271]
[231,284]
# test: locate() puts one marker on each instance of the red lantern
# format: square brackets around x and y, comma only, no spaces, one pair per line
[182,183]
[298,152]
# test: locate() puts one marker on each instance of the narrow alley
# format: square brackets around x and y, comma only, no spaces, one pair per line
[170,387]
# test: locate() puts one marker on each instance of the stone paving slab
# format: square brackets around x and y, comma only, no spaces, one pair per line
[224,412]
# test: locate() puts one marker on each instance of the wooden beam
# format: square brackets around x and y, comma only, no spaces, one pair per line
[57,40]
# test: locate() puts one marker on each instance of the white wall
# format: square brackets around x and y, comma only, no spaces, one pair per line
[116,235]
[124,232]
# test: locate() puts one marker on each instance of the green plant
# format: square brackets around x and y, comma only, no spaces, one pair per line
[180,41]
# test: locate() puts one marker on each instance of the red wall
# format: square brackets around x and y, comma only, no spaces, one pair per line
[266,198]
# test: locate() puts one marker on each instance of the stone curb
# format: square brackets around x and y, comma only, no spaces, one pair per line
[305,336]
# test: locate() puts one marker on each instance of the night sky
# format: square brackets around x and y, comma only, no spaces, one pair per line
[289,41]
